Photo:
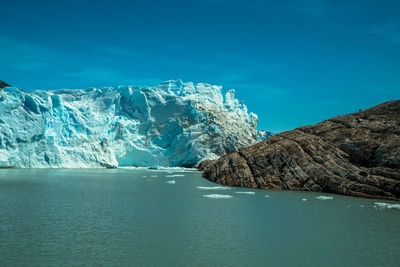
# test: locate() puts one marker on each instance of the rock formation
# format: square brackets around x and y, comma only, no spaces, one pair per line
[356,154]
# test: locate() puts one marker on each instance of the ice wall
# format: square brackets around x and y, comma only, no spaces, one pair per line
[172,124]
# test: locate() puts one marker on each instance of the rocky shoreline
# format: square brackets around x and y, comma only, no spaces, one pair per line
[356,154]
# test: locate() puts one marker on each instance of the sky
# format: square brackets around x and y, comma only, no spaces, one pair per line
[293,62]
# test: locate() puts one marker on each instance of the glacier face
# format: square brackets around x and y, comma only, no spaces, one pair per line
[172,124]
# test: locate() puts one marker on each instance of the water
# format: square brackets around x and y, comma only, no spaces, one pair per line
[119,217]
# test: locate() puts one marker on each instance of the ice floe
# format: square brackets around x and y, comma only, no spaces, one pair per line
[304,199]
[170,182]
[175,175]
[323,198]
[171,169]
[213,187]
[132,168]
[218,196]
[383,205]
[245,192]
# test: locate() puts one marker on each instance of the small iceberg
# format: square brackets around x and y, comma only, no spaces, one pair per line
[267,196]
[171,169]
[245,192]
[323,198]
[218,196]
[132,168]
[213,187]
[383,205]
[175,175]
[304,199]
[170,182]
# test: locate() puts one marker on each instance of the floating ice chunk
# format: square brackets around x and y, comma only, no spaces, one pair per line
[380,204]
[188,170]
[245,192]
[218,196]
[266,196]
[174,169]
[213,187]
[132,168]
[175,175]
[170,182]
[154,176]
[324,198]
[304,199]
[144,176]
[362,206]
[383,205]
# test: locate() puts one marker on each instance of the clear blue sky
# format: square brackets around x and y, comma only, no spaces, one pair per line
[292,62]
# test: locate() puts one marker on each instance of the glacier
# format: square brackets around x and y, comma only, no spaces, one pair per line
[171,124]
[263,135]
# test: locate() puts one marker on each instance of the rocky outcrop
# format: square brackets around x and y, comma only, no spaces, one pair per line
[356,154]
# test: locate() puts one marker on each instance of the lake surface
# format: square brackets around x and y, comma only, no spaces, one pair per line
[131,217]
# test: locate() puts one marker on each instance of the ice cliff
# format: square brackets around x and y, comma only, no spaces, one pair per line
[172,124]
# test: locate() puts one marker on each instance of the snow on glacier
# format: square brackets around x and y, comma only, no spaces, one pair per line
[172,124]
[263,135]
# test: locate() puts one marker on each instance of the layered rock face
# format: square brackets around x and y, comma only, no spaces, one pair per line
[172,124]
[356,154]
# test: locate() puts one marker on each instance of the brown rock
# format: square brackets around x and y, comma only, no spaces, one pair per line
[356,154]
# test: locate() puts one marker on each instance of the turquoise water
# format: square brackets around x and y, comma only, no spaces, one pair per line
[126,217]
